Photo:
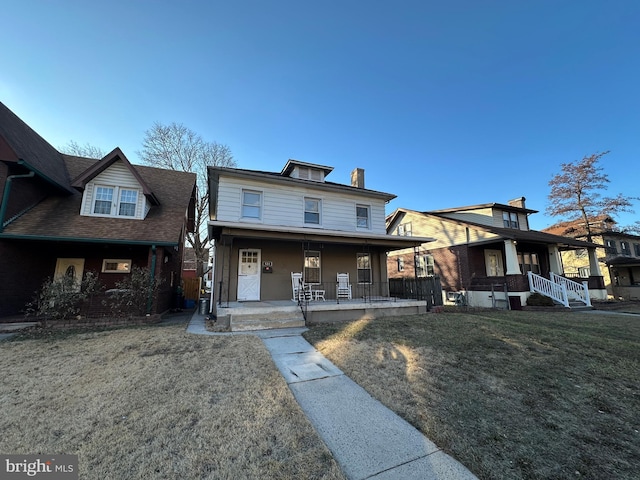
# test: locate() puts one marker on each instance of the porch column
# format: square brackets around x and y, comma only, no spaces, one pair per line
[555,261]
[511,255]
[594,265]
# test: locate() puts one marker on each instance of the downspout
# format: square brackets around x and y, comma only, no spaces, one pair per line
[152,279]
[5,195]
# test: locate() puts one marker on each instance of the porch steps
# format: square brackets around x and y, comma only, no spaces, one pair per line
[266,320]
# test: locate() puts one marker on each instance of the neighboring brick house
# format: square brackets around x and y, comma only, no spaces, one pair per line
[480,249]
[61,214]
[618,255]
[268,225]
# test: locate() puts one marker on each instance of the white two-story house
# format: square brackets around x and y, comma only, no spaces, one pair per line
[268,225]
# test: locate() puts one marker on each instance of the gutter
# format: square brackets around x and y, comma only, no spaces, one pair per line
[5,195]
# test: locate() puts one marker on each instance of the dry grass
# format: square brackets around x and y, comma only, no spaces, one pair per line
[510,394]
[156,402]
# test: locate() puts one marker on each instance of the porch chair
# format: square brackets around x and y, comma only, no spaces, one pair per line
[301,291]
[343,288]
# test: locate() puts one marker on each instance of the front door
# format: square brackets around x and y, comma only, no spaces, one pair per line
[70,267]
[249,275]
[493,260]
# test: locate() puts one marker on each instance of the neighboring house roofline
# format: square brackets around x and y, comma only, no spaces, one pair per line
[88,240]
[501,206]
[100,166]
[215,172]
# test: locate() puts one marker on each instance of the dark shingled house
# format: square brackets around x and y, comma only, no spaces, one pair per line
[61,214]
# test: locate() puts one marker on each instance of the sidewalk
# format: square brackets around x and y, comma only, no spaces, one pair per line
[368,440]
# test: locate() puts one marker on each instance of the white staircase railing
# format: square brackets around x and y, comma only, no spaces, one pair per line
[557,291]
[575,291]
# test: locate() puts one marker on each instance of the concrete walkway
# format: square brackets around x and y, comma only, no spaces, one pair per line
[368,440]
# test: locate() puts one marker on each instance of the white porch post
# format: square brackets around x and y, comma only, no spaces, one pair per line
[594,265]
[511,255]
[555,262]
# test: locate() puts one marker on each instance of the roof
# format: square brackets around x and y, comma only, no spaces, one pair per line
[500,206]
[505,233]
[20,144]
[58,217]
[277,178]
[576,228]
[392,242]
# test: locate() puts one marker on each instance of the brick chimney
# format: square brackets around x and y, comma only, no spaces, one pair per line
[517,202]
[357,178]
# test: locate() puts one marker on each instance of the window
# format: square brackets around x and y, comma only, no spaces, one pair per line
[529,262]
[312,211]
[311,266]
[510,219]
[128,201]
[624,249]
[104,198]
[425,266]
[251,204]
[363,263]
[362,216]
[636,247]
[116,266]
[404,230]
[400,264]
[610,246]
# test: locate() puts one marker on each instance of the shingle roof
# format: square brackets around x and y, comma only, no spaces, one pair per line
[31,148]
[59,217]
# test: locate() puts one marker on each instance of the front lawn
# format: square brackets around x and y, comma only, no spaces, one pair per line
[510,394]
[156,402]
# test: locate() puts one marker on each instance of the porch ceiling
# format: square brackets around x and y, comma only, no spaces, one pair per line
[219,229]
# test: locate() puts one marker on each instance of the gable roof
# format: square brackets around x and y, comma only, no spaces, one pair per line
[58,217]
[100,166]
[576,228]
[20,144]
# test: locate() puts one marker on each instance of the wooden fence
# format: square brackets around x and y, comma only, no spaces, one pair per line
[191,288]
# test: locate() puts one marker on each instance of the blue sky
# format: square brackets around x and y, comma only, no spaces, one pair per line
[444,103]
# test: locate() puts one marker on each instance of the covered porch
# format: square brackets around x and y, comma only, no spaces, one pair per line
[625,277]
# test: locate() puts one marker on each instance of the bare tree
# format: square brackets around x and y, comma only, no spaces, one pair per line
[575,192]
[176,147]
[87,150]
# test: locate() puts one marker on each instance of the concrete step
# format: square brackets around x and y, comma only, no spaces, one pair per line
[256,321]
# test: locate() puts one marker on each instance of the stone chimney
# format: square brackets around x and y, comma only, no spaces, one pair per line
[517,202]
[357,178]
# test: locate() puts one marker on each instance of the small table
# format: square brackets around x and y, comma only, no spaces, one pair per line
[318,294]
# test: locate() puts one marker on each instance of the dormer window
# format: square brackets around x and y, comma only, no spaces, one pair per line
[114,201]
[306,173]
[510,220]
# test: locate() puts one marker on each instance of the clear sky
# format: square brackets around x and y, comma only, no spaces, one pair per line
[443,103]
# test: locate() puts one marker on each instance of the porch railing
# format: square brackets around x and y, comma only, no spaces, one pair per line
[575,291]
[560,288]
[557,291]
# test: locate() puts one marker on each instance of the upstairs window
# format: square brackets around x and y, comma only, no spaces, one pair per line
[610,246]
[251,204]
[510,220]
[312,208]
[636,247]
[115,201]
[624,249]
[362,216]
[404,230]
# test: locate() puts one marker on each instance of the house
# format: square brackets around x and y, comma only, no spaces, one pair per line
[270,225]
[65,214]
[486,253]
[618,255]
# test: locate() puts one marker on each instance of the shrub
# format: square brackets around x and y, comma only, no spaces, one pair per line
[539,300]
[133,294]
[62,298]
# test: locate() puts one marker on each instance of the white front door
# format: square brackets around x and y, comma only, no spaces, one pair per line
[71,267]
[249,275]
[493,260]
